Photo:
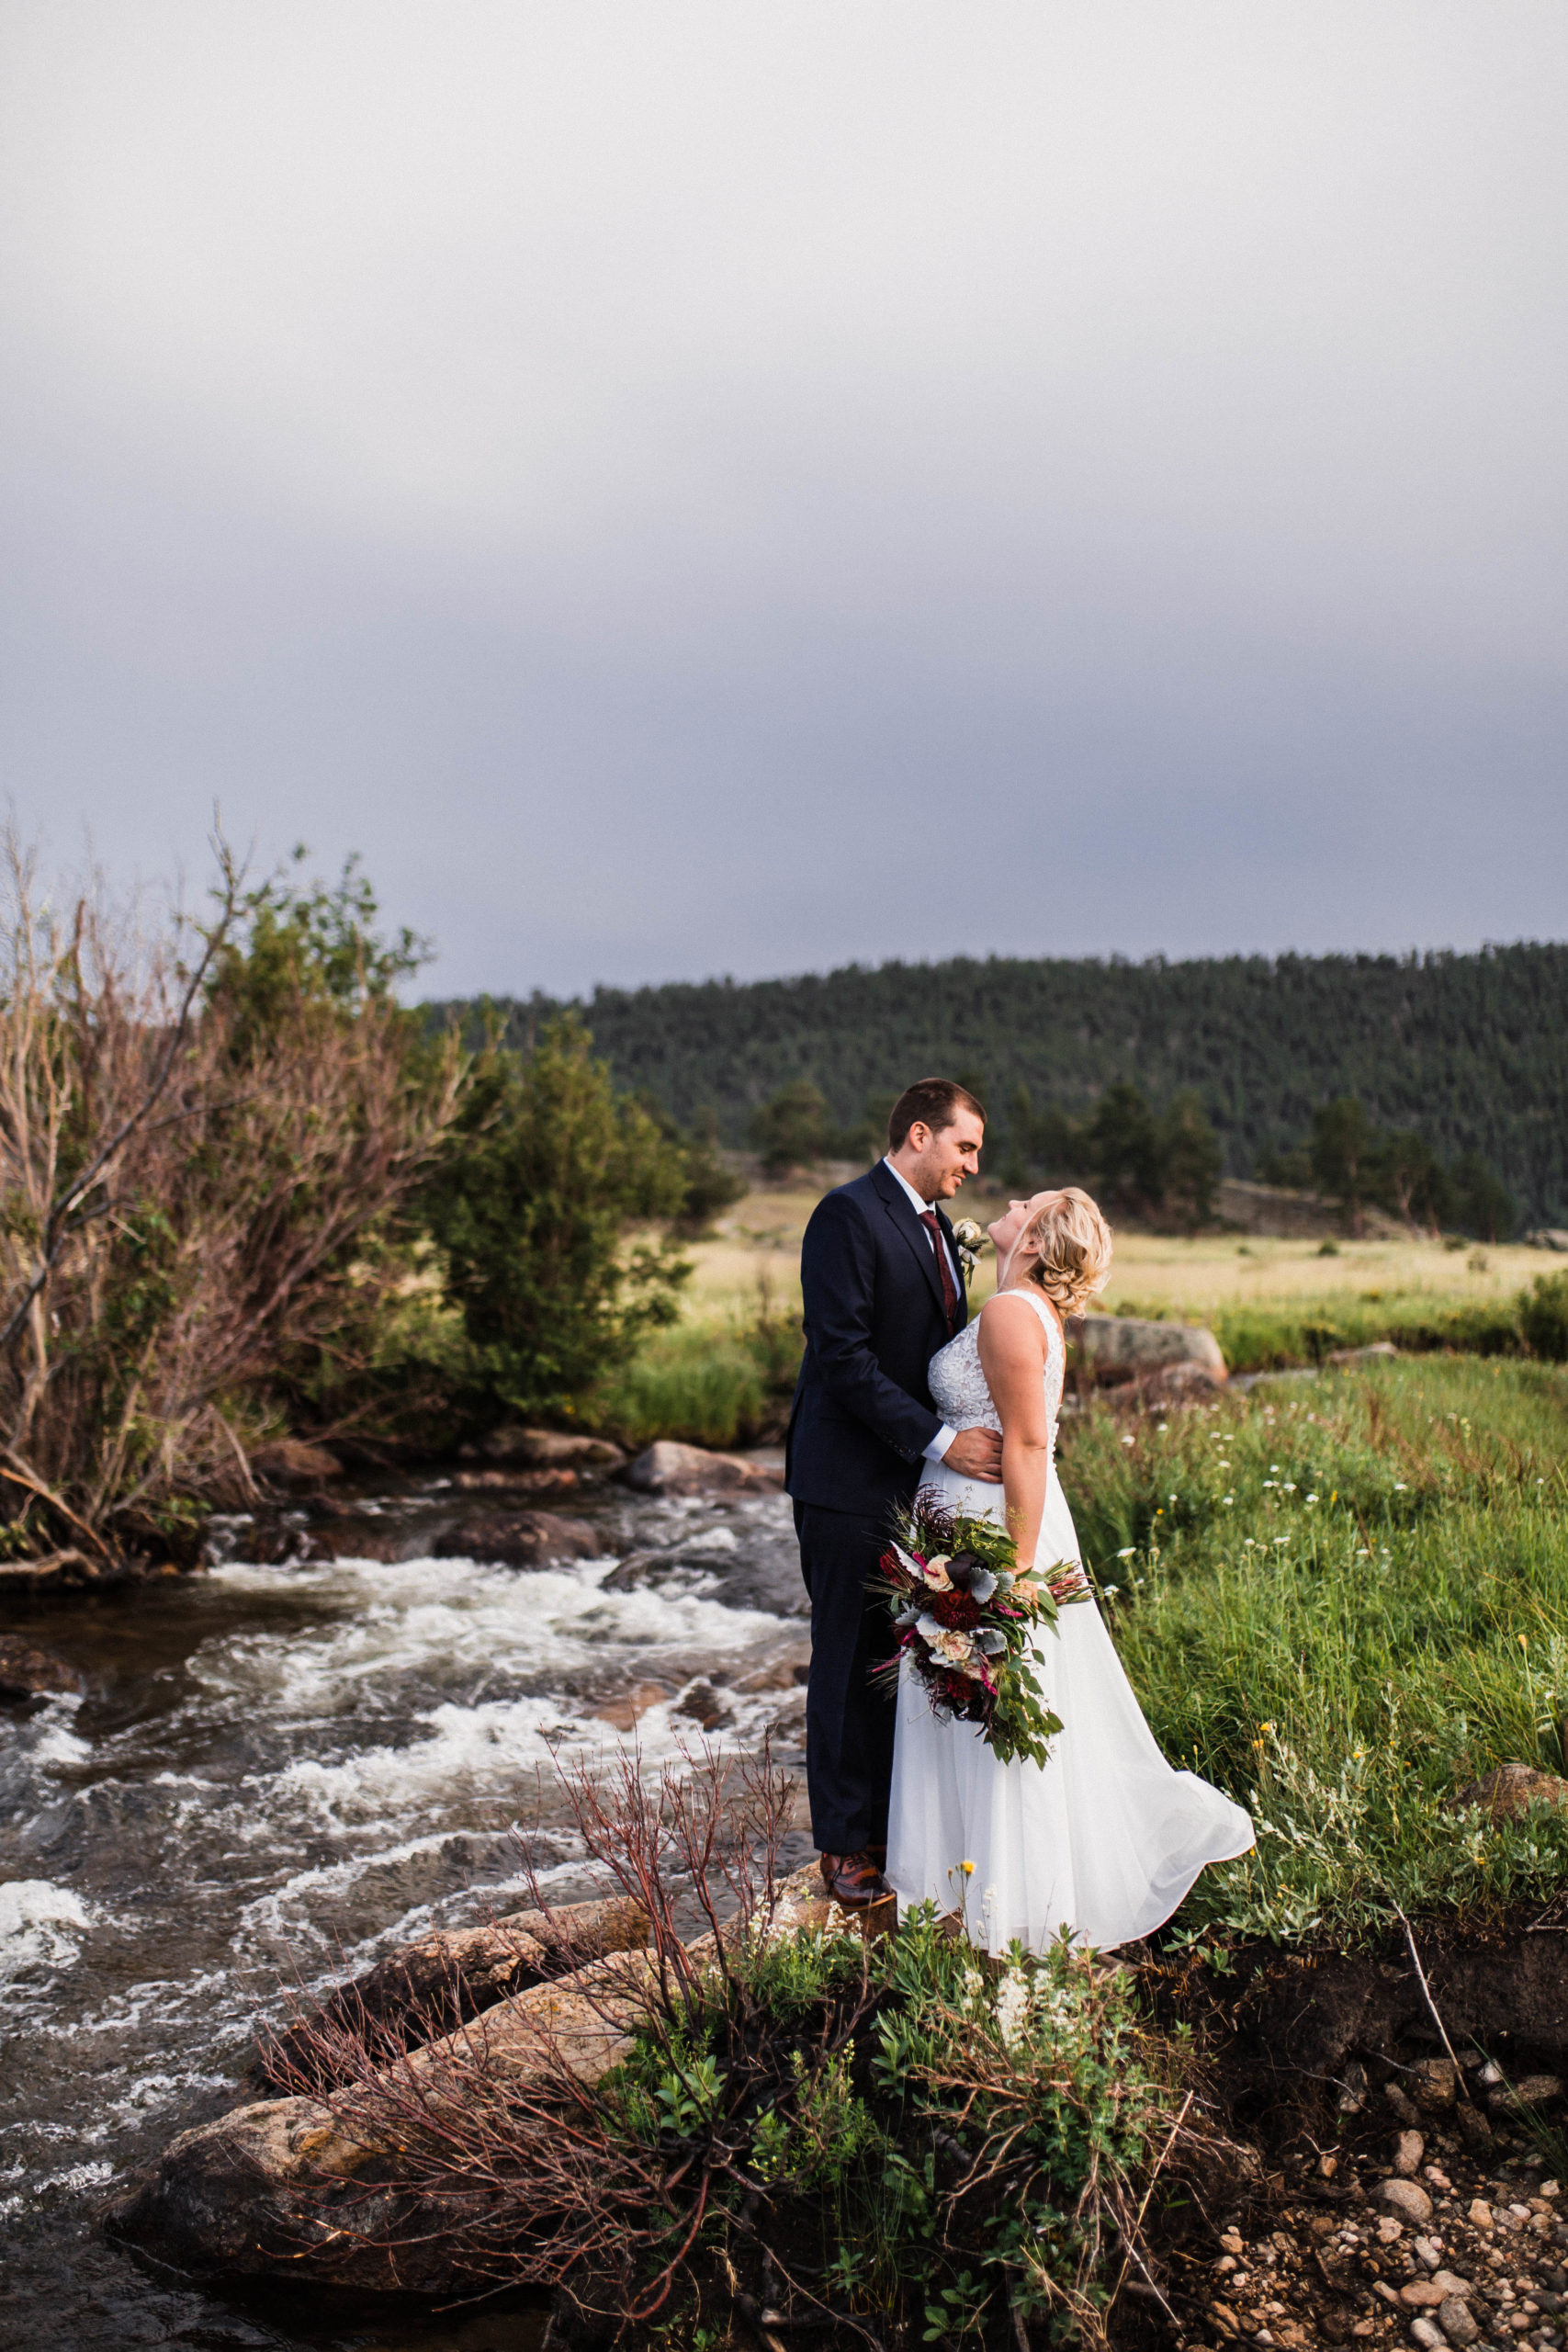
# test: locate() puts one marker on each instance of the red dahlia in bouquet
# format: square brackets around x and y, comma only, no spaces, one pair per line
[965,1616]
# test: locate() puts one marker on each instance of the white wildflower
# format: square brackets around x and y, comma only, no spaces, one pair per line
[1013,2007]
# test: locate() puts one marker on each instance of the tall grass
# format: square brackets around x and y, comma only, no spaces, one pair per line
[1342,1607]
[724,1380]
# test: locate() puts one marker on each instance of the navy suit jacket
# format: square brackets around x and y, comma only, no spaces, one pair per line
[862,1414]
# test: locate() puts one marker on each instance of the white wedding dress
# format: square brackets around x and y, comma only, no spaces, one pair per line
[1103,1838]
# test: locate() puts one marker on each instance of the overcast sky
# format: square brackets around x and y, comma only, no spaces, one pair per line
[688,488]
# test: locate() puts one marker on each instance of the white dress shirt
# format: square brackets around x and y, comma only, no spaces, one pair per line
[945,1435]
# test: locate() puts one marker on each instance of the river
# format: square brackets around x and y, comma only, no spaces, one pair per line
[275,1773]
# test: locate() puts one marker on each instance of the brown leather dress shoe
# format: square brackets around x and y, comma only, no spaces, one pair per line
[853,1880]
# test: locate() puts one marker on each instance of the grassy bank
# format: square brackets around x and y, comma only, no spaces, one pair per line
[723,1374]
[1342,1606]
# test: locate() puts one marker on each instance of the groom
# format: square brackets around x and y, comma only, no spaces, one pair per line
[882,1292]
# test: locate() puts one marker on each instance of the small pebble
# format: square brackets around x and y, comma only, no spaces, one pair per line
[1454,2319]
[1408,2151]
[1429,2337]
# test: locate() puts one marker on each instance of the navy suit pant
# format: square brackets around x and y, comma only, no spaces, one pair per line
[848,1721]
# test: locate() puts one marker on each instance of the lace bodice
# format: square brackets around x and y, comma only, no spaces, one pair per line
[958,1385]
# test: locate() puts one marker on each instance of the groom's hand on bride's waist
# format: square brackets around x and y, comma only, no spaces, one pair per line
[976,1454]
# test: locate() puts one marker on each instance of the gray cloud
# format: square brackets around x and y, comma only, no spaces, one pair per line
[698,489]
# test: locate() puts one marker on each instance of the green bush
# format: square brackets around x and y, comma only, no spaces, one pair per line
[948,2148]
[544,1171]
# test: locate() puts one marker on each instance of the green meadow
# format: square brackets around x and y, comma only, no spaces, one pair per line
[1343,1600]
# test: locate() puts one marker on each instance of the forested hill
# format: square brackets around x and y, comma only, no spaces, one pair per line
[1472,1050]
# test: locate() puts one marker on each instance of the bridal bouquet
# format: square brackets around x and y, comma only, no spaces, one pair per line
[964,1617]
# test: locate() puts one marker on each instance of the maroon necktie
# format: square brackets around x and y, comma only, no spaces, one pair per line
[949,1288]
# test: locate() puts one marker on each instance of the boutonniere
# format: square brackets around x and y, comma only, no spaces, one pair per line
[971,1239]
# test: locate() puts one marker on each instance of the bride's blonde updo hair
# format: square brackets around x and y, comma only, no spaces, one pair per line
[1065,1248]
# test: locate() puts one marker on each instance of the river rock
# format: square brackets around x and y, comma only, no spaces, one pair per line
[622,1709]
[701,1703]
[551,1448]
[521,1539]
[666,1468]
[1404,2198]
[1510,1790]
[426,1988]
[290,1461]
[25,1671]
[518,1482]
[1112,1349]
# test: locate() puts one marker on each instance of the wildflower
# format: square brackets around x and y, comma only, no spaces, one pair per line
[968,1869]
[1013,2007]
[1289,1488]
[1112,1591]
[1312,1498]
[1161,1427]
[1279,1539]
[1128,1552]
[1127,1440]
[1399,1486]
[1227,1500]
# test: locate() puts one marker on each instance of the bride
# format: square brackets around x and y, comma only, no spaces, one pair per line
[1104,1838]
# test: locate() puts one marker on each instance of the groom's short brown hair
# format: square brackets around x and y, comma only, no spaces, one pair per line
[936,1101]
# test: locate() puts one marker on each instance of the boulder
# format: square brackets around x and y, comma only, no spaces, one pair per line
[1548,1236]
[666,1468]
[25,1671]
[1510,1790]
[520,1540]
[290,1461]
[426,1988]
[1116,1348]
[325,2188]
[551,1450]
